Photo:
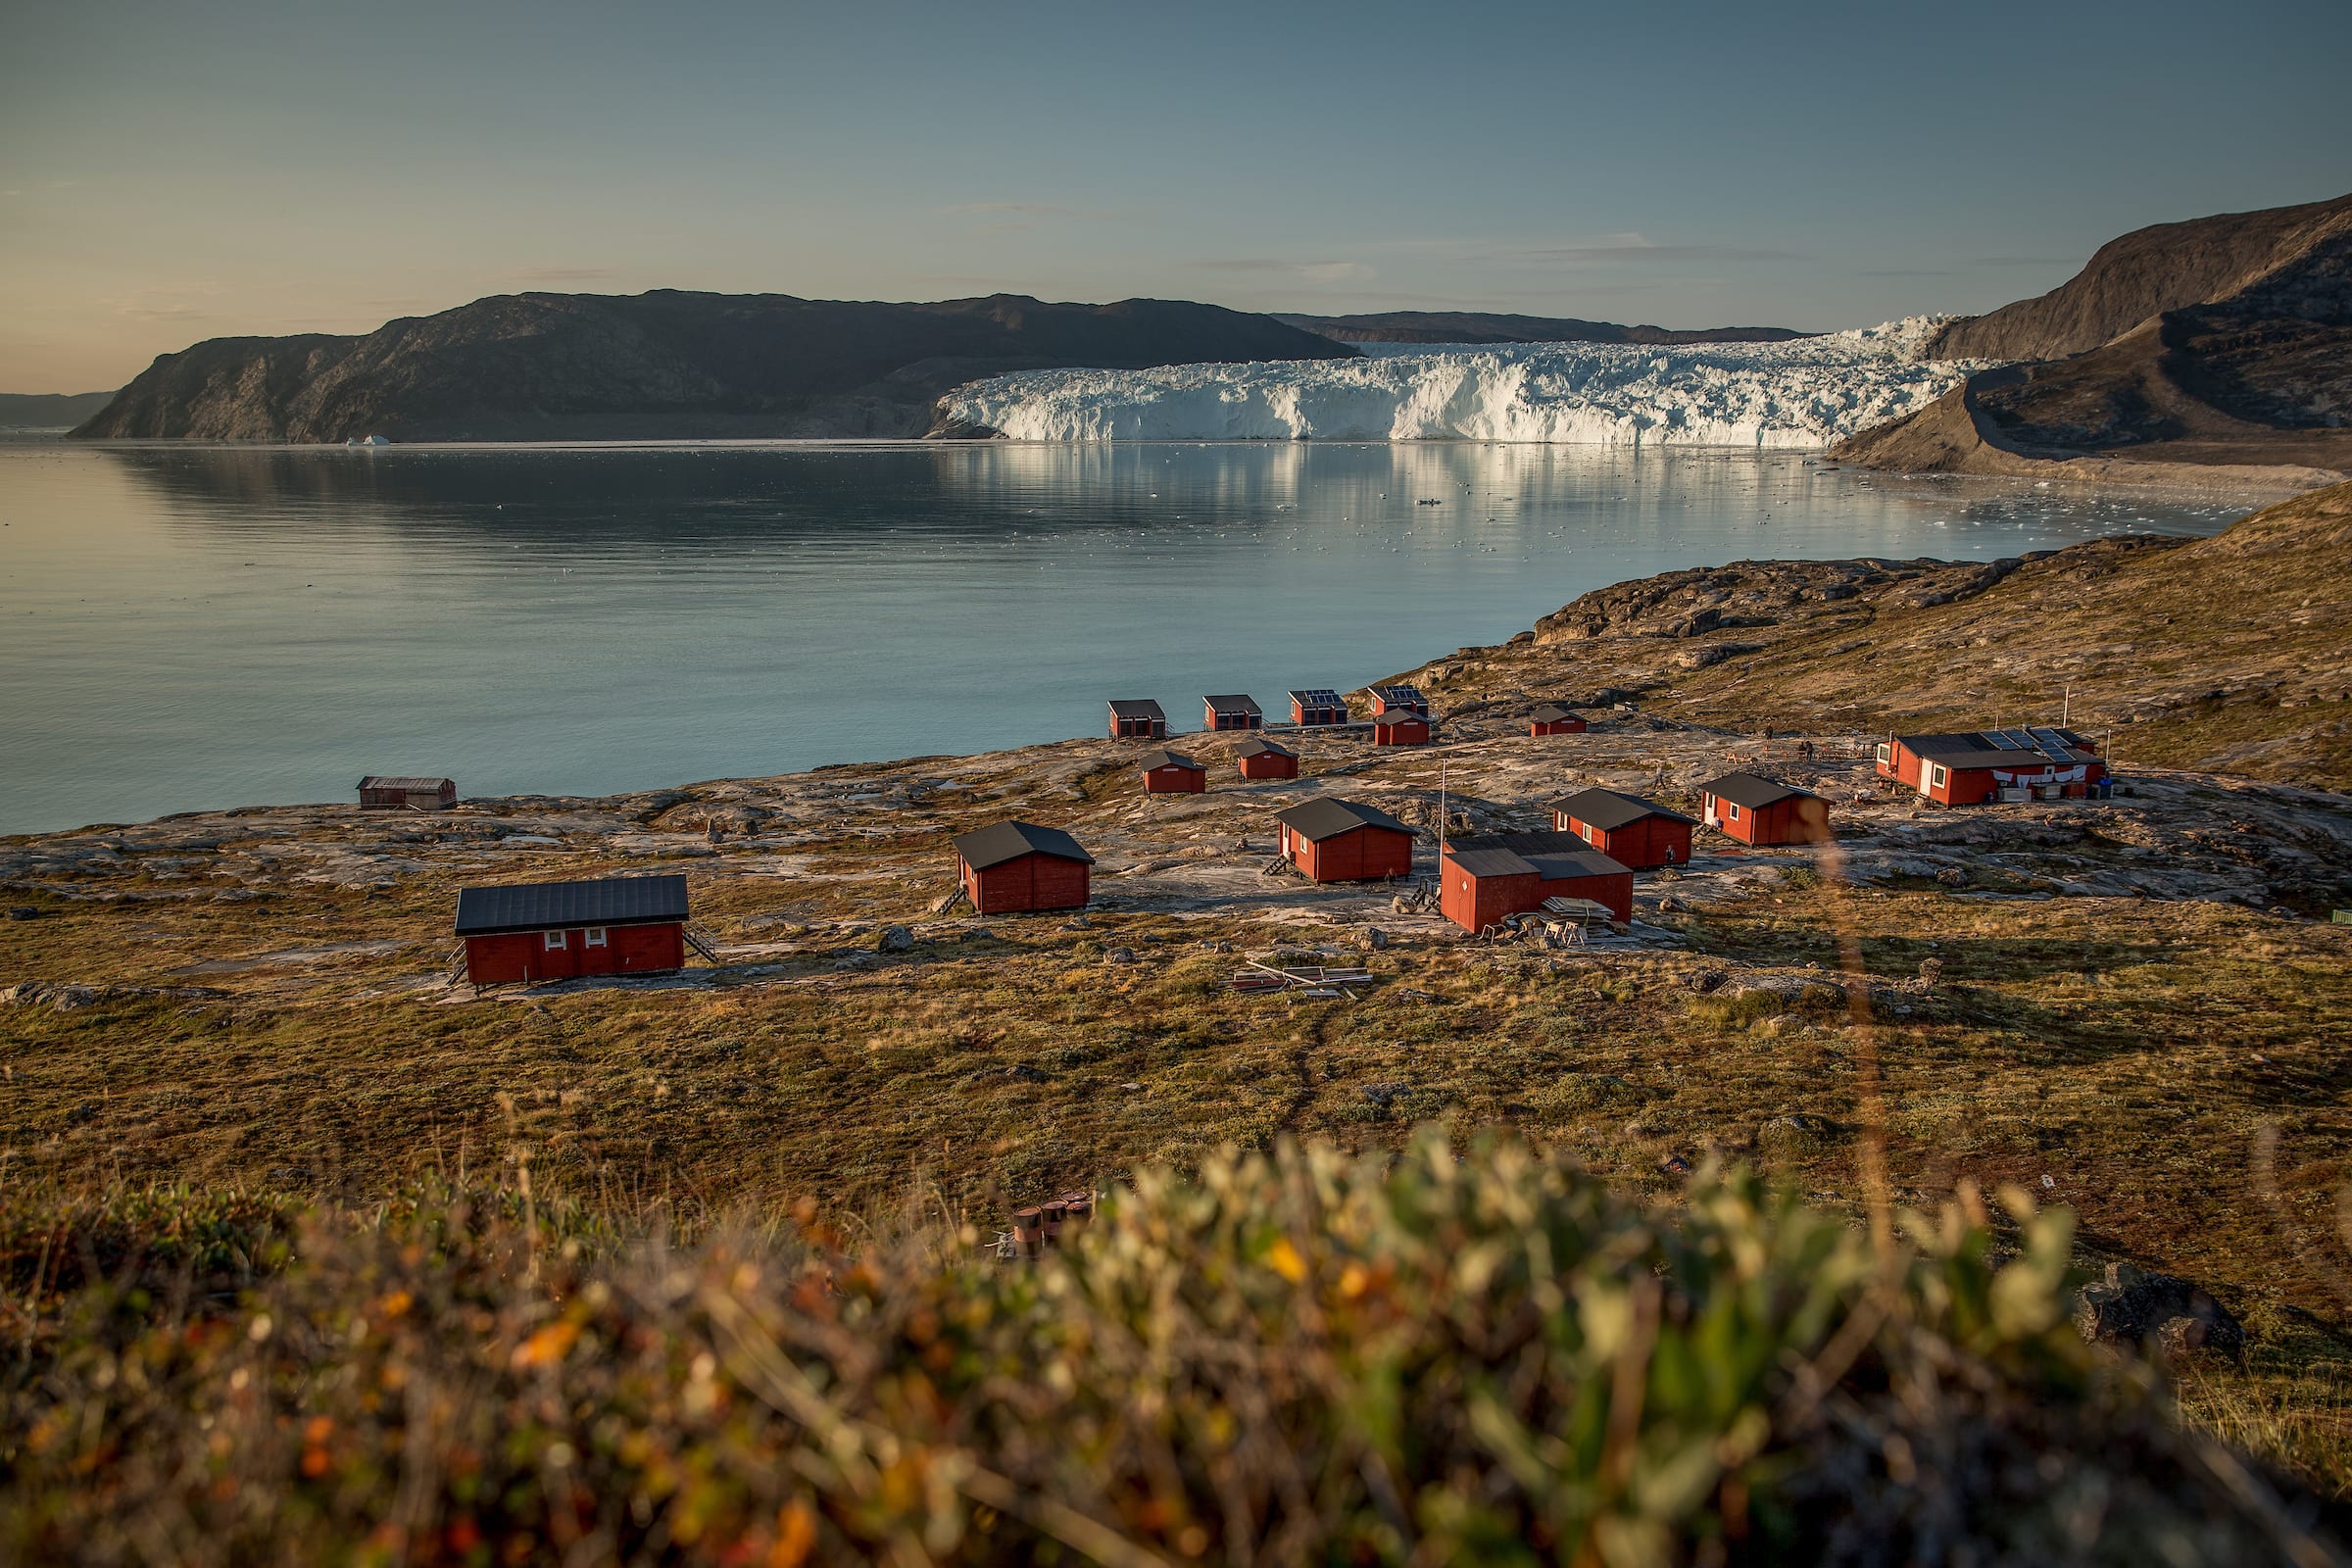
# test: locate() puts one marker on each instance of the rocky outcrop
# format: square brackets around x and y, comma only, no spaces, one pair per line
[1752,594]
[661,365]
[2214,351]
[2163,1311]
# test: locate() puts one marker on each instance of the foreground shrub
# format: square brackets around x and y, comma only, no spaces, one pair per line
[1296,1358]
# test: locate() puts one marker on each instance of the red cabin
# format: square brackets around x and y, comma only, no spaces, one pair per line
[1554,719]
[563,930]
[1234,712]
[1168,772]
[1317,706]
[1986,766]
[1399,726]
[1626,828]
[1398,700]
[379,793]
[1137,720]
[1260,758]
[1485,879]
[1760,811]
[1015,867]
[1344,841]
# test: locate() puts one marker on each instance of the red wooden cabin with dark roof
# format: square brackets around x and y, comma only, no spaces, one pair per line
[1137,719]
[1488,878]
[1763,811]
[1167,773]
[1976,768]
[380,792]
[1626,828]
[1554,719]
[1399,726]
[1344,841]
[1317,705]
[1259,758]
[528,931]
[1233,710]
[1017,867]
[1398,699]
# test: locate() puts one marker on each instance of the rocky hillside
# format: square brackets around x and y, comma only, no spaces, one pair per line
[660,365]
[48,411]
[2227,653]
[2227,341]
[1476,327]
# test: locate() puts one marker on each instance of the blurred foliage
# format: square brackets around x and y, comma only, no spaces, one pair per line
[1301,1356]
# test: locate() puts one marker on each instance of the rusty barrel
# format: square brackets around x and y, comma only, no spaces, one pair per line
[1029,1230]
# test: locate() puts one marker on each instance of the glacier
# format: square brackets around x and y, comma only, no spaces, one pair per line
[1802,394]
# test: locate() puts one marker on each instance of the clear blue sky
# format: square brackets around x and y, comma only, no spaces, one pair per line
[173,171]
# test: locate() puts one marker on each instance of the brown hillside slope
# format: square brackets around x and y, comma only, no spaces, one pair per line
[2222,343]
[2231,653]
[2162,268]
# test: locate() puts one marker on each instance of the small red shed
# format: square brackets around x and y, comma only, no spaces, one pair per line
[1554,719]
[1344,841]
[383,793]
[1234,710]
[1138,720]
[1260,758]
[1398,699]
[1399,726]
[563,930]
[1762,810]
[1628,829]
[1486,878]
[1167,773]
[1014,867]
[1318,705]
[1986,766]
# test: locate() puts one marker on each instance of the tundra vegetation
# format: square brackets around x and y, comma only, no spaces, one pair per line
[1752,1236]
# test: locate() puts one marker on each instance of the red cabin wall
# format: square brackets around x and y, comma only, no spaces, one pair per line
[1364,854]
[1175,781]
[510,957]
[1235,720]
[1148,729]
[1795,820]
[1404,734]
[1269,766]
[1562,726]
[1475,902]
[1031,882]
[1650,841]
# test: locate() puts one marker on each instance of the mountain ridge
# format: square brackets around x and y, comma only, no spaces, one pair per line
[666,363]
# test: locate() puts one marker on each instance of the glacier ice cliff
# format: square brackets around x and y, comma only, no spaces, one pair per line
[1805,393]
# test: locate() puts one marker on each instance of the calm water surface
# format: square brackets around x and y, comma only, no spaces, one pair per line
[193,627]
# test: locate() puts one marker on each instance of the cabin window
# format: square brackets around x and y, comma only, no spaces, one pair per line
[1939,776]
[1734,806]
[596,937]
[551,940]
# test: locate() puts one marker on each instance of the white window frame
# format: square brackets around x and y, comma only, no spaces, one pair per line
[1733,808]
[1886,753]
[552,941]
[594,937]
[1938,776]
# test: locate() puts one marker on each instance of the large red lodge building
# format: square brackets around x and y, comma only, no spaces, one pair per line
[1986,766]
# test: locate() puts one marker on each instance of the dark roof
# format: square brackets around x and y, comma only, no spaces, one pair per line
[999,842]
[1556,856]
[1609,811]
[1552,713]
[1159,757]
[540,905]
[1142,709]
[1259,746]
[1746,789]
[1321,819]
[1317,697]
[375,781]
[2009,748]
[1397,715]
[1234,703]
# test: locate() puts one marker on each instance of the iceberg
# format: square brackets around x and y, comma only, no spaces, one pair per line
[1802,394]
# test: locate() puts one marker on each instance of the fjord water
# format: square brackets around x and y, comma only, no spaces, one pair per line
[185,627]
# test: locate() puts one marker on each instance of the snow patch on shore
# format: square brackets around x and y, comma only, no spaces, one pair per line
[1806,393]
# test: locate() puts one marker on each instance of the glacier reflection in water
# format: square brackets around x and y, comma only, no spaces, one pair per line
[191,627]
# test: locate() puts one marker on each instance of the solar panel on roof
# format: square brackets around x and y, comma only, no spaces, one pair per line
[2008,740]
[2050,740]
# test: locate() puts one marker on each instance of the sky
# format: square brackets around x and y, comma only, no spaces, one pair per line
[173,171]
